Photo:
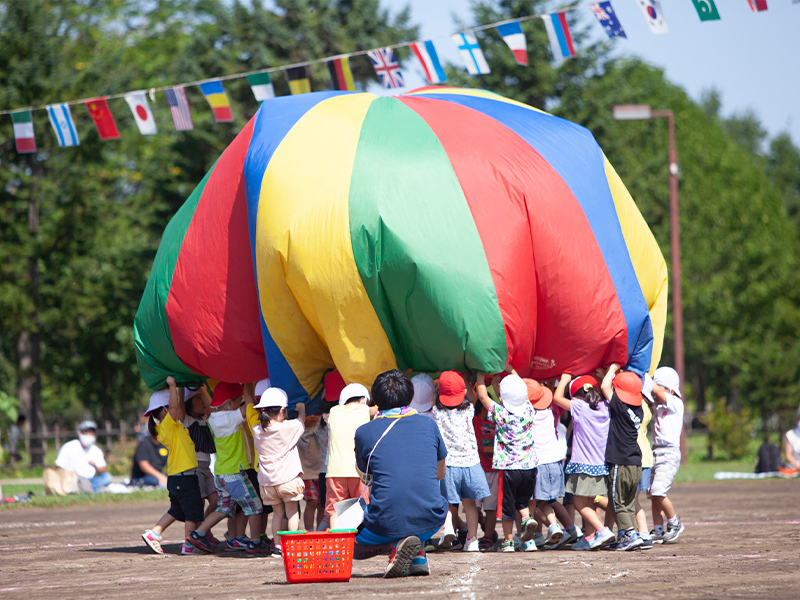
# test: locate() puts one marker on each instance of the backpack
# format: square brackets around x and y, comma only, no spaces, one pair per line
[769,458]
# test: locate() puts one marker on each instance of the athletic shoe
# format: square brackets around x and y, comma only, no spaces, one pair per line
[539,539]
[630,541]
[200,541]
[529,546]
[657,536]
[672,532]
[448,537]
[616,543]
[601,538]
[419,564]
[570,537]
[647,543]
[486,544]
[276,551]
[529,526]
[401,557]
[471,545]
[554,534]
[461,536]
[189,549]
[517,543]
[214,541]
[153,541]
[236,544]
[430,546]
[259,547]
[581,544]
[507,546]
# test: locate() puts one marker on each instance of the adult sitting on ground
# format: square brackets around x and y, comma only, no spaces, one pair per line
[791,446]
[149,461]
[406,506]
[85,459]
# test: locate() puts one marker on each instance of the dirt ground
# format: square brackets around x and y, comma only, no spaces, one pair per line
[742,540]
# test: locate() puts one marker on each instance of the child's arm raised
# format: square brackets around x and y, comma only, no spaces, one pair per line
[606,387]
[558,396]
[177,409]
[301,412]
[249,396]
[470,392]
[483,395]
[659,394]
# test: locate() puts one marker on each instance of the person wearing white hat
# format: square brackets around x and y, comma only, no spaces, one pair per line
[514,453]
[341,479]
[668,425]
[424,395]
[83,457]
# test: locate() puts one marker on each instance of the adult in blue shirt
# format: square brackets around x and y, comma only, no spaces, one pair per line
[406,506]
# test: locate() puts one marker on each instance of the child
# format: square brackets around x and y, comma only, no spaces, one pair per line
[668,425]
[623,390]
[514,453]
[279,469]
[311,460]
[167,411]
[549,471]
[464,480]
[424,393]
[586,470]
[233,484]
[647,462]
[333,386]
[484,435]
[341,480]
[197,412]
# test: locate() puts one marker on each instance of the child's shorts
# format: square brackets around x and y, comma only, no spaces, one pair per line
[205,478]
[291,491]
[311,491]
[644,482]
[492,480]
[185,503]
[549,482]
[342,488]
[581,484]
[666,462]
[236,489]
[464,483]
[518,487]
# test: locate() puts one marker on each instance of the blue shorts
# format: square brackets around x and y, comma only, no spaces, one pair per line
[549,482]
[644,482]
[367,538]
[464,483]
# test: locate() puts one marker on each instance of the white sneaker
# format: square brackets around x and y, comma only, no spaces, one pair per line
[471,545]
[153,540]
[554,534]
[448,537]
[529,526]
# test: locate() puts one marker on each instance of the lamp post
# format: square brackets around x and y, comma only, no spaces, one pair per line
[638,112]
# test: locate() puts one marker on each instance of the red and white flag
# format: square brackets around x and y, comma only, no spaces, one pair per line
[141,112]
[757,5]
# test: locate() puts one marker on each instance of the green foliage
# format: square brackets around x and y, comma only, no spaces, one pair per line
[730,430]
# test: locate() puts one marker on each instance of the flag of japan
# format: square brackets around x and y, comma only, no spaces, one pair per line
[141,112]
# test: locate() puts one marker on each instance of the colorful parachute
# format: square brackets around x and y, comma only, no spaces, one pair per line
[438,229]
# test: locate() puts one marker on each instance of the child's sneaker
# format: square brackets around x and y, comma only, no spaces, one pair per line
[672,532]
[276,550]
[657,536]
[419,564]
[517,543]
[471,545]
[539,539]
[581,544]
[448,537]
[630,541]
[153,541]
[529,526]
[601,538]
[187,548]
[212,539]
[236,544]
[529,546]
[570,537]
[647,542]
[507,546]
[486,544]
[401,556]
[259,547]
[554,534]
[200,541]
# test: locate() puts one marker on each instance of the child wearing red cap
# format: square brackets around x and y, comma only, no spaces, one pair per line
[464,481]
[623,390]
[227,423]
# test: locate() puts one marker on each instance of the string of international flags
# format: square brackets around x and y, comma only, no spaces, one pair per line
[383,60]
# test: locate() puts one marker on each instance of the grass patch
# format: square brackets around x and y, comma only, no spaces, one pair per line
[42,501]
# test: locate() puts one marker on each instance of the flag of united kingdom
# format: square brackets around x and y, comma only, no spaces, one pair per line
[387,68]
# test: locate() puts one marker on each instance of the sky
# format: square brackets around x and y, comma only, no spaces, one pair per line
[752,59]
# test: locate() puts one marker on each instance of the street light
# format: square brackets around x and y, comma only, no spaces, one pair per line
[643,112]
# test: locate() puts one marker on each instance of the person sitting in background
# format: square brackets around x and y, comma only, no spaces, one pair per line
[791,446]
[149,461]
[84,458]
[13,436]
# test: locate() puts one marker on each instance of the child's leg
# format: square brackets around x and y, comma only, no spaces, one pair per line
[585,506]
[189,527]
[490,524]
[471,512]
[563,515]
[212,504]
[508,530]
[641,518]
[208,523]
[623,484]
[660,504]
[277,518]
[293,515]
[548,514]
[163,523]
[309,514]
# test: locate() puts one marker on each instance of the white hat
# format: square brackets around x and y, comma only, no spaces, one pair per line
[273,397]
[87,424]
[668,377]
[353,390]
[514,394]
[261,387]
[647,387]
[158,400]
[424,392]
[188,394]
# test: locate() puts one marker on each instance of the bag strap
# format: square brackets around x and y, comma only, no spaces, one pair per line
[369,458]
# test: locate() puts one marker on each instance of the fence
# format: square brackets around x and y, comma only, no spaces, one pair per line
[107,436]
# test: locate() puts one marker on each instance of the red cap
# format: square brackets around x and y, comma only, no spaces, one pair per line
[628,387]
[579,382]
[226,391]
[334,384]
[540,396]
[451,388]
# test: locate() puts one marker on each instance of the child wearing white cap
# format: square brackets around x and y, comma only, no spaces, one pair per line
[342,481]
[667,428]
[514,453]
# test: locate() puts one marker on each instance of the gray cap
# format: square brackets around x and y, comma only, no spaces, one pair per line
[87,425]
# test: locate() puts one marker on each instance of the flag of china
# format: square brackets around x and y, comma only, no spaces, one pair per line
[103,119]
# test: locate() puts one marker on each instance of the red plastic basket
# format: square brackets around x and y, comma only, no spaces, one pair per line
[318,557]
